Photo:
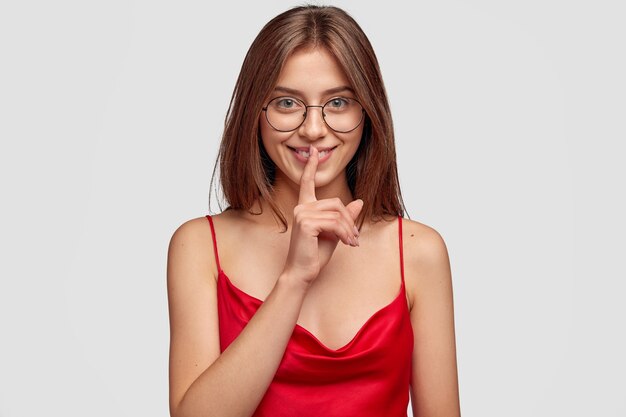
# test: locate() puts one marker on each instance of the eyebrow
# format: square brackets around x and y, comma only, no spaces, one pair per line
[327,92]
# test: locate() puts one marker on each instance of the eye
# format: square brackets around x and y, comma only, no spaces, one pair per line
[286,103]
[338,103]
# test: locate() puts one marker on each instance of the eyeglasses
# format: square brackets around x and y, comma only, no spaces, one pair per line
[341,114]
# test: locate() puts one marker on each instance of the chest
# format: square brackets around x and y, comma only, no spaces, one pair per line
[357,284]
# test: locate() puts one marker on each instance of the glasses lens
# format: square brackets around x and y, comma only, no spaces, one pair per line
[285,113]
[343,114]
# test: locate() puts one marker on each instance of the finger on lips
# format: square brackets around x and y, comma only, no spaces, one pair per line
[307,181]
[342,223]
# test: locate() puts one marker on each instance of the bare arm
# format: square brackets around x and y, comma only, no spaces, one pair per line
[203,382]
[434,390]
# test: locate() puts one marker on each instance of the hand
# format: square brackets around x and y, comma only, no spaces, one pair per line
[318,225]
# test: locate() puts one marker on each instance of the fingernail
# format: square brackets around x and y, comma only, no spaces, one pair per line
[356,231]
[351,240]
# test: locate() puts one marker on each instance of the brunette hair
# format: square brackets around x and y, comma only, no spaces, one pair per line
[246,172]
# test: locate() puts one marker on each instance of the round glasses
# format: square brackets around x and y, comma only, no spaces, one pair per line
[341,114]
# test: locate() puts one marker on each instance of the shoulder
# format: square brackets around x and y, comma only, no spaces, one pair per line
[423,244]
[191,247]
[192,242]
[426,260]
[197,231]
[191,233]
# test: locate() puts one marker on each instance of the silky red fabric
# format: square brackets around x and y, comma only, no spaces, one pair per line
[369,376]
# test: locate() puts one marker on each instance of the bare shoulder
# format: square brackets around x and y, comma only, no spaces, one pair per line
[424,244]
[191,244]
[426,258]
[193,229]
[193,239]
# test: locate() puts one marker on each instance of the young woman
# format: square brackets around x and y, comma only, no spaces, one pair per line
[310,295]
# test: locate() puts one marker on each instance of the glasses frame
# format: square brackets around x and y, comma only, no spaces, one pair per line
[306,112]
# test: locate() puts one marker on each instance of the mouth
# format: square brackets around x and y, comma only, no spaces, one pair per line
[302,153]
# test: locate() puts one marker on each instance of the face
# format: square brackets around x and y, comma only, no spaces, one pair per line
[313,77]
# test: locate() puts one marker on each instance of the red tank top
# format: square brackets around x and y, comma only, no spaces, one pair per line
[369,376]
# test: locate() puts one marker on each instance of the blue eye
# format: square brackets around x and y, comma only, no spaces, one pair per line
[285,102]
[338,102]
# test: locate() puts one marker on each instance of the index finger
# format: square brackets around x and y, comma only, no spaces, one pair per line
[307,181]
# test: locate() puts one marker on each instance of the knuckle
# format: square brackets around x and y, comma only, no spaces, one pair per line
[299,218]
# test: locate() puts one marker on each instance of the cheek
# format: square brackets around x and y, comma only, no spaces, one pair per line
[271,141]
[356,140]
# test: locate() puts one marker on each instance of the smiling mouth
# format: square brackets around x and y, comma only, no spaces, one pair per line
[304,152]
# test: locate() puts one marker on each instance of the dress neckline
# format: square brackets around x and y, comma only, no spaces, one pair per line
[360,331]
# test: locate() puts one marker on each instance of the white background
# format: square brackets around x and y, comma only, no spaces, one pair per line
[510,127]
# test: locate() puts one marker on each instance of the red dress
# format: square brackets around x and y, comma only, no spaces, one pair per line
[369,376]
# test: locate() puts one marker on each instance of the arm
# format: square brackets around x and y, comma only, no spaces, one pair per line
[434,389]
[203,382]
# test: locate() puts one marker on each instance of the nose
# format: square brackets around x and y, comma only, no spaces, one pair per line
[314,127]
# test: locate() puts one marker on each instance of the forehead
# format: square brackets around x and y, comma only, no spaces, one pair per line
[312,72]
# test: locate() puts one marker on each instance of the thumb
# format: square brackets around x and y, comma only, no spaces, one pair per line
[354,208]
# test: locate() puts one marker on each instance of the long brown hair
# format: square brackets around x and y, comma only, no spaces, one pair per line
[247,172]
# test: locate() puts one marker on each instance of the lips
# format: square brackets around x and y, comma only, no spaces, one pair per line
[302,153]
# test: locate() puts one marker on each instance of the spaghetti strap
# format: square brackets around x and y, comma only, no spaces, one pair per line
[400,244]
[217,258]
